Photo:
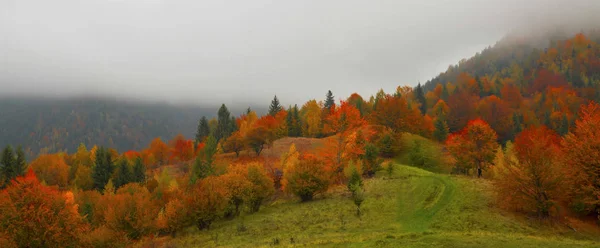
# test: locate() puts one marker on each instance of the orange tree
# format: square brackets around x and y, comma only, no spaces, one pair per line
[582,158]
[206,201]
[305,178]
[531,182]
[34,215]
[474,147]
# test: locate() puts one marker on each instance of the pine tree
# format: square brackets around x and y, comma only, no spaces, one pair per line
[103,168]
[20,164]
[223,123]
[203,130]
[233,125]
[445,93]
[297,129]
[441,130]
[124,175]
[516,124]
[7,164]
[420,97]
[203,166]
[289,122]
[355,181]
[275,107]
[329,101]
[139,171]
[564,126]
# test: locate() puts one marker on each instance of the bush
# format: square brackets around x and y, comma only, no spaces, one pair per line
[421,152]
[131,211]
[305,178]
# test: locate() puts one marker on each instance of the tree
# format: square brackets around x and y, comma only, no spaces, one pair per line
[207,201]
[131,210]
[223,129]
[123,175]
[371,160]
[139,171]
[311,119]
[275,107]
[34,215]
[305,178]
[159,150]
[235,143]
[7,162]
[174,216]
[329,100]
[474,147]
[203,166]
[103,168]
[20,163]
[51,169]
[203,130]
[182,150]
[532,182]
[441,130]
[261,186]
[293,122]
[420,97]
[259,137]
[582,160]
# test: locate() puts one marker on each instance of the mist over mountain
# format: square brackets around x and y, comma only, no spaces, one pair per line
[240,52]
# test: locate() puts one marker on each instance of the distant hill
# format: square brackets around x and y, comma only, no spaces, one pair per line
[51,125]
[521,51]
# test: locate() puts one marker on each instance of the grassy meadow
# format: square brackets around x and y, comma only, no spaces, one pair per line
[412,208]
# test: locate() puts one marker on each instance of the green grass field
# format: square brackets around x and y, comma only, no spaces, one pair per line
[414,208]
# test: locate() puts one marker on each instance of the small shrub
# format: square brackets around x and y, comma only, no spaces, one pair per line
[390,169]
[306,178]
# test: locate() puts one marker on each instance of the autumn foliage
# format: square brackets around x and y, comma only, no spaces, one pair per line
[531,183]
[33,215]
[474,147]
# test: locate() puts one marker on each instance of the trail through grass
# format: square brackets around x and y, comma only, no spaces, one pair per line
[415,208]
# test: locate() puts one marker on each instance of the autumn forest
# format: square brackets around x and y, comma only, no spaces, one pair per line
[519,121]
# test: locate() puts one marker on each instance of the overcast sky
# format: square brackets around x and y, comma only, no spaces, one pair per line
[196,51]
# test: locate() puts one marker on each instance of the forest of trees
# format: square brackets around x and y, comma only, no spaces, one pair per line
[530,123]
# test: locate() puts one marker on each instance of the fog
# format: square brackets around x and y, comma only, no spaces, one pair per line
[240,52]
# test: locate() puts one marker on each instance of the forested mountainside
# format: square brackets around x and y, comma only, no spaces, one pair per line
[52,125]
[518,55]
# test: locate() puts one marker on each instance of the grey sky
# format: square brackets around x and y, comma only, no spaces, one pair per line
[247,51]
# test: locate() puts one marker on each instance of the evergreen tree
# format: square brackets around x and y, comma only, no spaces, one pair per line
[223,123]
[445,93]
[20,164]
[203,130]
[516,124]
[289,122]
[564,126]
[355,181]
[297,130]
[275,107]
[441,129]
[233,125]
[420,97]
[124,175]
[203,166]
[329,101]
[248,110]
[139,171]
[7,164]
[103,168]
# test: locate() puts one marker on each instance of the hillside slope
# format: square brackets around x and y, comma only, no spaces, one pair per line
[53,125]
[414,208]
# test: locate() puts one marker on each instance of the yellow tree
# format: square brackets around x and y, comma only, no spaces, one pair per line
[311,119]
